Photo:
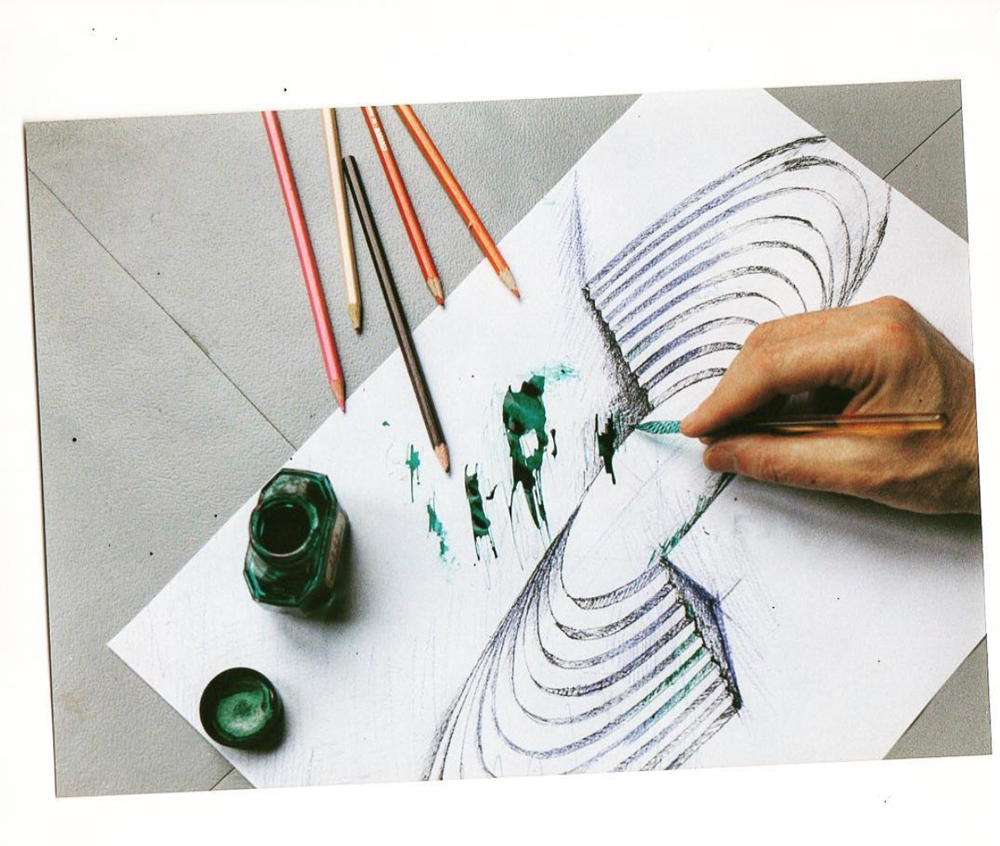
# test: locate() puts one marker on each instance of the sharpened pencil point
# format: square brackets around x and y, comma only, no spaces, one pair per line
[441,451]
[434,284]
[354,312]
[508,279]
[338,393]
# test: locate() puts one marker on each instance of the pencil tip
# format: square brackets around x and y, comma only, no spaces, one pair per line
[354,312]
[338,393]
[436,290]
[508,279]
[441,451]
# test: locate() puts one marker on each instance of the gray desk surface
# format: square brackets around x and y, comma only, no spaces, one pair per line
[178,367]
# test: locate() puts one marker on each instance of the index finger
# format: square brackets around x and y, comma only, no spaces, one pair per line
[783,357]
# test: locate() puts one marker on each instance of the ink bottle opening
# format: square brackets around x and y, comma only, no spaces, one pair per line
[297,533]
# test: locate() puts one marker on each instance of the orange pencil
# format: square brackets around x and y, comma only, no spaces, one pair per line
[402,198]
[457,195]
[310,272]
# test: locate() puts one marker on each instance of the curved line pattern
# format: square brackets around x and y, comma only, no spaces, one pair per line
[791,230]
[552,693]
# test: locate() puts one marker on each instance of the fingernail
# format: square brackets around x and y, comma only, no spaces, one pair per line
[720,460]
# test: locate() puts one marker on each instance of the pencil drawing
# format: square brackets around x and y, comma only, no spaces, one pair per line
[641,676]
[791,230]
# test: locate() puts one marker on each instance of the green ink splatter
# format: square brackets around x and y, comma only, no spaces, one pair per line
[555,448]
[524,421]
[607,442]
[413,463]
[477,510]
[385,422]
[434,525]
[559,373]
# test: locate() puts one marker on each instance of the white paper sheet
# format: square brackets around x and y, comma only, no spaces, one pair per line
[829,624]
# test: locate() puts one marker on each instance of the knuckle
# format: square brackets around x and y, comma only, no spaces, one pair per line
[759,337]
[895,307]
[896,331]
[765,360]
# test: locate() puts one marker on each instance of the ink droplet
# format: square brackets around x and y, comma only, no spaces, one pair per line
[527,441]
[413,463]
[477,511]
[607,443]
[434,525]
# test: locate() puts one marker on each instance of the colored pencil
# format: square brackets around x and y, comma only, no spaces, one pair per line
[396,314]
[352,290]
[447,179]
[861,424]
[300,234]
[410,221]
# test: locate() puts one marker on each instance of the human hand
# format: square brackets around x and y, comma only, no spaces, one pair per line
[890,360]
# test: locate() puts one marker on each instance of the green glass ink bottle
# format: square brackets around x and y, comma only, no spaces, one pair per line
[297,531]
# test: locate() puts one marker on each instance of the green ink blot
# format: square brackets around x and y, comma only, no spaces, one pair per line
[477,510]
[607,442]
[559,373]
[385,422]
[413,462]
[555,448]
[524,420]
[434,525]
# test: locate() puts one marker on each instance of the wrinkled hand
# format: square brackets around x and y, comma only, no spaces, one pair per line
[889,360]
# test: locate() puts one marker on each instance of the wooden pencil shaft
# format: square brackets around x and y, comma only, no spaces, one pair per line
[451,186]
[875,424]
[345,237]
[399,193]
[307,259]
[396,315]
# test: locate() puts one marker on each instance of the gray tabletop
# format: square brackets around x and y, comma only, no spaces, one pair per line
[178,367]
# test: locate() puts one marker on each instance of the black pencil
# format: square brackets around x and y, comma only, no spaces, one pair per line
[396,315]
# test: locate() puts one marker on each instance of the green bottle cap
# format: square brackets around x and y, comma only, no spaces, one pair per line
[241,708]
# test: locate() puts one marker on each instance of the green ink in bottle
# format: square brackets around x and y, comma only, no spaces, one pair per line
[297,531]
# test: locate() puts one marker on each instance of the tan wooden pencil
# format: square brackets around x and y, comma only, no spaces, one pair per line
[352,290]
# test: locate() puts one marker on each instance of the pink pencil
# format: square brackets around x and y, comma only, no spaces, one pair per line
[300,234]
